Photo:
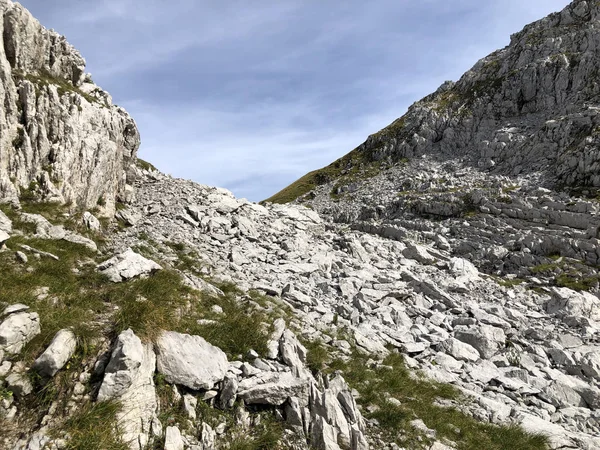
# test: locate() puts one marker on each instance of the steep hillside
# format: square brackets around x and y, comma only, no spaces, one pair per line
[61,138]
[192,320]
[530,107]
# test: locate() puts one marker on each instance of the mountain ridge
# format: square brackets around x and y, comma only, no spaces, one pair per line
[547,70]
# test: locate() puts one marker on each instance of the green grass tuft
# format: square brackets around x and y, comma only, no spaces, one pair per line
[94,427]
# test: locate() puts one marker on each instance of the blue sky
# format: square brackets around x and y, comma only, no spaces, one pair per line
[252,95]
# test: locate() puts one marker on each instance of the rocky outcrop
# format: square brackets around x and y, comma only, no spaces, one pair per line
[61,137]
[129,379]
[522,109]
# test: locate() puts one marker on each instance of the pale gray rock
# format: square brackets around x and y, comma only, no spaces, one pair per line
[228,392]
[566,302]
[323,435]
[39,252]
[189,405]
[460,350]
[273,344]
[17,307]
[590,365]
[57,354]
[190,360]
[19,384]
[418,253]
[5,223]
[127,265]
[487,340]
[293,353]
[21,257]
[17,330]
[272,388]
[4,236]
[91,221]
[173,439]
[86,164]
[129,379]
[128,216]
[208,437]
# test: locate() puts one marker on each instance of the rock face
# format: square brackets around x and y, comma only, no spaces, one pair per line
[521,109]
[60,135]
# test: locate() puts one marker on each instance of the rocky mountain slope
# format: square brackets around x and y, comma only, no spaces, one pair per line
[443,307]
[60,135]
[528,108]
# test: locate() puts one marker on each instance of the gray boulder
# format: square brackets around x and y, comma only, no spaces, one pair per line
[90,221]
[459,350]
[5,223]
[127,265]
[17,330]
[57,354]
[190,360]
[567,302]
[487,340]
[272,388]
[173,439]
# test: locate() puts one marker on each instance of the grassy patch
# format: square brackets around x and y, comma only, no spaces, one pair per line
[266,436]
[577,282]
[417,399]
[145,165]
[44,78]
[354,166]
[94,427]
[317,355]
[61,297]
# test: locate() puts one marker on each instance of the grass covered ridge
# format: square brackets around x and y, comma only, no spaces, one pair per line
[353,165]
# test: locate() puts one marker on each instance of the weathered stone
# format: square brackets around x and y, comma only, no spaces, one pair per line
[173,439]
[127,265]
[228,392]
[57,354]
[17,330]
[272,388]
[129,378]
[459,350]
[487,340]
[190,360]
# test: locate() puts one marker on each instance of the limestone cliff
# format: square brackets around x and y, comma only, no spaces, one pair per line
[531,107]
[61,138]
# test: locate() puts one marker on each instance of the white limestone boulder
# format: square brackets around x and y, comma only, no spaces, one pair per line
[129,379]
[17,329]
[272,388]
[57,354]
[190,360]
[127,265]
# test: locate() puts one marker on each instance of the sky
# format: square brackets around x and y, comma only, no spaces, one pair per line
[251,96]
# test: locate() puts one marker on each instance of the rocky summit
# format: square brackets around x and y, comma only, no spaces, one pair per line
[436,288]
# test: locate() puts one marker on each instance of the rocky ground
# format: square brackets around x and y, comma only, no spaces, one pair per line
[514,353]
